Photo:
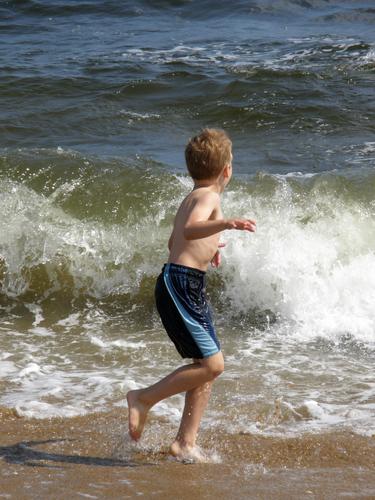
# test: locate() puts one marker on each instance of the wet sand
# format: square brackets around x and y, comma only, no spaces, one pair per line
[91,457]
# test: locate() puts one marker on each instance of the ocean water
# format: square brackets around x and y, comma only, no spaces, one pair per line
[97,101]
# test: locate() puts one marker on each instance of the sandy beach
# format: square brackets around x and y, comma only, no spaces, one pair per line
[91,457]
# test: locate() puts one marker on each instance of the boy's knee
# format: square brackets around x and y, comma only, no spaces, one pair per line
[215,367]
[217,371]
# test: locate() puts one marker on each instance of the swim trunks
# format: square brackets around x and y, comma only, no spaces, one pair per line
[180,296]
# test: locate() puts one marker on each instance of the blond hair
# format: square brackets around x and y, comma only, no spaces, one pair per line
[207,154]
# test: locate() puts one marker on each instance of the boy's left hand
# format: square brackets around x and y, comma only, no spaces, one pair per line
[216,259]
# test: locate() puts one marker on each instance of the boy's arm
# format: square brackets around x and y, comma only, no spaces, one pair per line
[199,225]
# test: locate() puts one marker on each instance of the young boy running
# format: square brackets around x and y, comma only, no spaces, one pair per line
[180,291]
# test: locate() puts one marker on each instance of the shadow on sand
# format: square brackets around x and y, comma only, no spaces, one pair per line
[22,453]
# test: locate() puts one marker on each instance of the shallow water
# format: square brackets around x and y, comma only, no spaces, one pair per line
[293,302]
[89,456]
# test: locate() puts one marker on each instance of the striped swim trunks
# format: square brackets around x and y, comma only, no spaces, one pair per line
[181,301]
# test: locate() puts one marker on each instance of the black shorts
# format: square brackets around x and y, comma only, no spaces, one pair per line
[184,310]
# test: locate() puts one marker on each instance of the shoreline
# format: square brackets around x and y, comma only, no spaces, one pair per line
[91,456]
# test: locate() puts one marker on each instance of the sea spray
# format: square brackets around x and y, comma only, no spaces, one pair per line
[311,262]
[310,265]
[82,241]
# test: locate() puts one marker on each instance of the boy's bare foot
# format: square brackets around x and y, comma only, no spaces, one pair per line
[137,414]
[187,454]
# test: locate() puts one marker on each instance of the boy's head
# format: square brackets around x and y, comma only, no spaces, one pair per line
[208,153]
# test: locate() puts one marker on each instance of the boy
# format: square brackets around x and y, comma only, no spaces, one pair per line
[180,291]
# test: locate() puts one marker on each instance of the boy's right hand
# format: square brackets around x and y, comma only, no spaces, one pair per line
[242,224]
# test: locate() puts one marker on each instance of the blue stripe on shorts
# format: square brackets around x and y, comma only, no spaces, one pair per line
[185,312]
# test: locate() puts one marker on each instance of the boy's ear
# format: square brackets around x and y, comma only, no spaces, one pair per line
[226,171]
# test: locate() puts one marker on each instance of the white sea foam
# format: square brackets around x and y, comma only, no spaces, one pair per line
[312,266]
[30,369]
[5,355]
[369,147]
[122,344]
[71,320]
[297,175]
[318,412]
[39,409]
[42,332]
[367,59]
[37,311]
[7,368]
[194,55]
[132,116]
[97,341]
[37,233]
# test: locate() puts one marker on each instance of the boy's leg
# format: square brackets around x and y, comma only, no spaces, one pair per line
[183,379]
[195,404]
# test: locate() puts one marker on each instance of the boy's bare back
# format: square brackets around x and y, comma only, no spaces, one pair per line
[199,220]
[202,204]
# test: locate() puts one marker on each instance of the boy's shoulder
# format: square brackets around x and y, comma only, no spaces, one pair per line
[204,195]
